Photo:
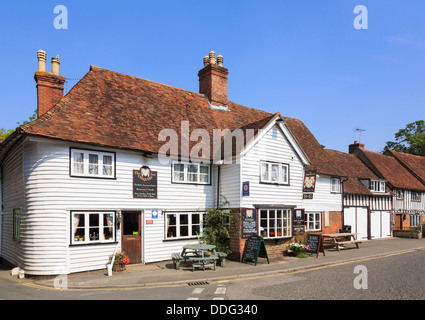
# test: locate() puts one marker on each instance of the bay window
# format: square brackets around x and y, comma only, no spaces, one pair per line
[276,223]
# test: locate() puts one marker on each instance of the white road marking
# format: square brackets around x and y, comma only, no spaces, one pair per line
[198,290]
[220,290]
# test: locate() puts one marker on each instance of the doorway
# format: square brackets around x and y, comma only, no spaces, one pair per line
[132,235]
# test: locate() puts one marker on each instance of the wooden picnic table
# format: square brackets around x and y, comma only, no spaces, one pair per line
[197,254]
[340,239]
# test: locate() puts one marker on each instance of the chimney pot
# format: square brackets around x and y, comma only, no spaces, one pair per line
[41,57]
[220,61]
[212,57]
[55,65]
[206,61]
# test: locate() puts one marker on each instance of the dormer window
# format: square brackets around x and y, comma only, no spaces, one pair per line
[377,186]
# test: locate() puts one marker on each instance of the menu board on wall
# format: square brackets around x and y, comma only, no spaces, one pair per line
[298,218]
[145,183]
[249,222]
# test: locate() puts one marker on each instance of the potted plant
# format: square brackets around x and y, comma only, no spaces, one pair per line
[121,259]
[297,248]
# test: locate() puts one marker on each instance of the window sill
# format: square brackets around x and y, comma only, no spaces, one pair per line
[92,243]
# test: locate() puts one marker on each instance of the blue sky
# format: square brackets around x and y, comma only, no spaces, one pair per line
[304,58]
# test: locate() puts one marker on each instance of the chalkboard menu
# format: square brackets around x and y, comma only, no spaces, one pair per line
[254,248]
[145,183]
[315,243]
[249,222]
[298,218]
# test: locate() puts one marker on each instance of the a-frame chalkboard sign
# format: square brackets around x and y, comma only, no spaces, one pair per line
[315,243]
[254,248]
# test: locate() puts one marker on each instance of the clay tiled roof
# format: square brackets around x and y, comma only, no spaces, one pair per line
[112,109]
[390,169]
[108,108]
[415,164]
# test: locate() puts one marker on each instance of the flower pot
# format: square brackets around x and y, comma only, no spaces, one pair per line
[118,267]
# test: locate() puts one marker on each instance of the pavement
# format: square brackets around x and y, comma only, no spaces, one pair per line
[164,273]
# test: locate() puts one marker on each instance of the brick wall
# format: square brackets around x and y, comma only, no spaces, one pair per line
[49,90]
[275,247]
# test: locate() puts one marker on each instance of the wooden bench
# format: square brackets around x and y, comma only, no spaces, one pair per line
[177,258]
[202,262]
[222,258]
[356,242]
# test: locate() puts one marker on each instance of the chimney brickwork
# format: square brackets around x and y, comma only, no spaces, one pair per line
[213,80]
[50,85]
[356,145]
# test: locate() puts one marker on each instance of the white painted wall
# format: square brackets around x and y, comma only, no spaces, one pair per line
[51,194]
[323,198]
[273,146]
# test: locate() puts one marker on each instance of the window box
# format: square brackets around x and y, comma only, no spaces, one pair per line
[188,172]
[92,164]
[274,172]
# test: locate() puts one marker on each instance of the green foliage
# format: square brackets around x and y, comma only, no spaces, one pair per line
[215,232]
[409,140]
[302,255]
[4,133]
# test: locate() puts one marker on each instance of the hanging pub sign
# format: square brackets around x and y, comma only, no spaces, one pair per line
[249,222]
[309,182]
[298,218]
[145,183]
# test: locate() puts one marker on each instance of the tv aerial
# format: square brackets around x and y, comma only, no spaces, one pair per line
[359,132]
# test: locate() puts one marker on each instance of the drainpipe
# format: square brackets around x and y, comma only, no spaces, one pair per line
[218,163]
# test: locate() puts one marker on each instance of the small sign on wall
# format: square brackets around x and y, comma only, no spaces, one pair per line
[245,189]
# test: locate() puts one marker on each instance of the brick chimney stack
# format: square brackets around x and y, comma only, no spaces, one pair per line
[49,84]
[423,151]
[356,145]
[213,80]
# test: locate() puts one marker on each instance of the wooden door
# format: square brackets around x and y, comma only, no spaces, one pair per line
[132,235]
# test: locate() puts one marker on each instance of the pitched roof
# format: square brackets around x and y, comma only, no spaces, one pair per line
[112,109]
[415,164]
[389,168]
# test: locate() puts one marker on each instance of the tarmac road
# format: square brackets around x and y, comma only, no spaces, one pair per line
[395,277]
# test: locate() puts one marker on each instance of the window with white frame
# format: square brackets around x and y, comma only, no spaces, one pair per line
[181,225]
[276,223]
[17,224]
[377,186]
[415,220]
[187,172]
[335,185]
[89,163]
[92,227]
[416,196]
[273,172]
[313,221]
[399,194]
